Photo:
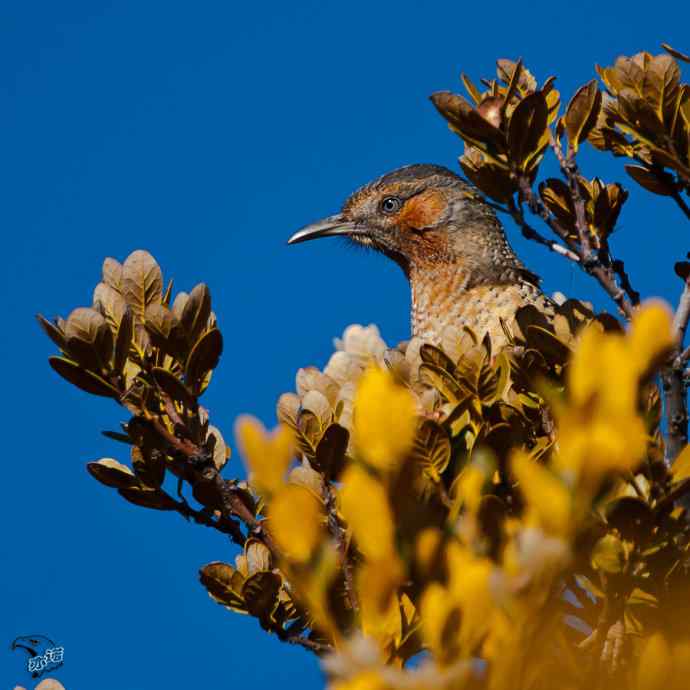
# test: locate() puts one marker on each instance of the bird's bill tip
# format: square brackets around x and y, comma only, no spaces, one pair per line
[328,227]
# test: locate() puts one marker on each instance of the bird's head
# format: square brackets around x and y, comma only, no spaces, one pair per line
[419,215]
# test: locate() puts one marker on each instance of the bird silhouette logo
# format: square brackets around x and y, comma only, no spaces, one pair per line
[42,652]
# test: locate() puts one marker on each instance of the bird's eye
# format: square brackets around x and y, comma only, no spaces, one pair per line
[391,204]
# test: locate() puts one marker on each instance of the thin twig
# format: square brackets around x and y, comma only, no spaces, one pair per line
[673,382]
[681,203]
[339,534]
[605,275]
[569,168]
[317,647]
[531,234]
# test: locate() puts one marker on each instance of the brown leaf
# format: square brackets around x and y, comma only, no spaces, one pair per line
[148,498]
[490,179]
[195,312]
[112,473]
[173,387]
[527,129]
[655,181]
[203,358]
[260,593]
[149,466]
[81,378]
[432,449]
[467,122]
[582,113]
[52,331]
[221,453]
[329,458]
[110,303]
[123,341]
[112,273]
[223,584]
[142,282]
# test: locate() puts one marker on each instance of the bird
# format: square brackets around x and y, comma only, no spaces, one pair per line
[449,243]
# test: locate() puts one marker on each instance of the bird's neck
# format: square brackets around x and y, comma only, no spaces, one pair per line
[447,297]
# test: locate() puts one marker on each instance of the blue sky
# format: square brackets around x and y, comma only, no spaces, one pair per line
[207,133]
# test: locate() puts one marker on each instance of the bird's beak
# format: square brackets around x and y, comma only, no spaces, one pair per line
[328,227]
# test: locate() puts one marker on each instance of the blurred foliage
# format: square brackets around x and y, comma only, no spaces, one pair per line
[453,516]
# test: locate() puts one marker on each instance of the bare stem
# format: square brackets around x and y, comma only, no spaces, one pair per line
[605,275]
[681,203]
[673,382]
[531,234]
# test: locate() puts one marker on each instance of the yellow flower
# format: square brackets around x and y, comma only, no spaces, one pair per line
[366,680]
[457,617]
[385,421]
[548,499]
[296,522]
[600,428]
[651,333]
[364,504]
[267,456]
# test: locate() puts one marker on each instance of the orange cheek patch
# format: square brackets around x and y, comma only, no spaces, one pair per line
[423,210]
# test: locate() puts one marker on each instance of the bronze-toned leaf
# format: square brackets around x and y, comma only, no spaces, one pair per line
[173,387]
[223,584]
[582,113]
[258,556]
[492,180]
[329,458]
[112,273]
[433,355]
[52,331]
[81,378]
[308,478]
[467,122]
[316,402]
[432,449]
[260,593]
[221,452]
[110,303]
[195,312]
[655,181]
[155,499]
[444,382]
[527,129]
[471,88]
[203,358]
[88,338]
[112,473]
[287,409]
[123,341]
[142,281]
